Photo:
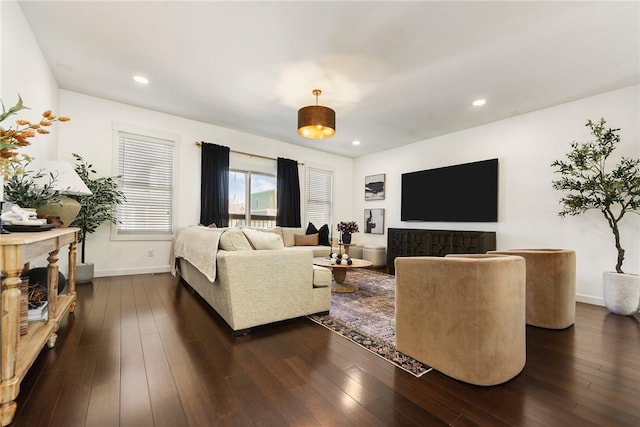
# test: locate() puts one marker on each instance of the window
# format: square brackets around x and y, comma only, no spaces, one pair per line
[145,166]
[256,190]
[319,205]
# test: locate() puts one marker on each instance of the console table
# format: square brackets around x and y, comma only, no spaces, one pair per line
[19,352]
[418,242]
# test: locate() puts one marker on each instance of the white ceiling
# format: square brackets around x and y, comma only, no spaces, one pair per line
[395,72]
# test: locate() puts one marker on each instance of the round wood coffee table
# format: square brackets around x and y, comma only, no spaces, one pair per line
[340,272]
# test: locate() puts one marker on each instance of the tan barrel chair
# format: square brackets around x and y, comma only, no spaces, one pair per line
[463,315]
[551,286]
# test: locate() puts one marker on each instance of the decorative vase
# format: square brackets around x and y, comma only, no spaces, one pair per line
[346,238]
[621,292]
[64,208]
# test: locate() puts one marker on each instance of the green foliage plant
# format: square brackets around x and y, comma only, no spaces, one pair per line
[27,188]
[590,185]
[98,207]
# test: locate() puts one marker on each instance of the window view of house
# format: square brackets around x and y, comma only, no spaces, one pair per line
[258,191]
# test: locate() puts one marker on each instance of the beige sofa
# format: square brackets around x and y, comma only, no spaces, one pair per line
[249,287]
[289,239]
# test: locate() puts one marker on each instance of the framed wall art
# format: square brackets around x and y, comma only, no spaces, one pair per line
[374,221]
[374,187]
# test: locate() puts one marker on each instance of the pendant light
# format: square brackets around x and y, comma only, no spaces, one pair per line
[316,121]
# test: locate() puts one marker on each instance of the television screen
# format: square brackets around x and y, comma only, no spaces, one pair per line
[460,193]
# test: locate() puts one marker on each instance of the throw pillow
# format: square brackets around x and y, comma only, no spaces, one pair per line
[263,239]
[233,239]
[212,225]
[311,229]
[323,236]
[306,240]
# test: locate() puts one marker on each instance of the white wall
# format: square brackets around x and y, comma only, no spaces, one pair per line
[90,135]
[527,214]
[25,72]
[525,145]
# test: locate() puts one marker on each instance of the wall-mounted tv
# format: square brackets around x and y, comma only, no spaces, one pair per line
[461,193]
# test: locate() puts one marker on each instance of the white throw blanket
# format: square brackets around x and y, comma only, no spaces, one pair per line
[199,246]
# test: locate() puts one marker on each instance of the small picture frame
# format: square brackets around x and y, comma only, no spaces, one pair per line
[374,221]
[374,187]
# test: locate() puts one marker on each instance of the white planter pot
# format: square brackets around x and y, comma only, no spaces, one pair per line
[621,292]
[84,273]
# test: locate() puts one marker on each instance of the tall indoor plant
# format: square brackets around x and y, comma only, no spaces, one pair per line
[95,209]
[614,192]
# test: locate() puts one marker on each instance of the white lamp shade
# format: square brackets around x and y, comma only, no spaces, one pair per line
[67,182]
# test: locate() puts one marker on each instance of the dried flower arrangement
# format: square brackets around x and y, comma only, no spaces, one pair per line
[348,227]
[11,139]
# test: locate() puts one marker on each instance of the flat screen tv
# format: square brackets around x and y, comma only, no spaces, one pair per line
[460,193]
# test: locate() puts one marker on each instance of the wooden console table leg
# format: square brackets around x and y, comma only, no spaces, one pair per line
[51,342]
[72,273]
[10,322]
[52,283]
[7,412]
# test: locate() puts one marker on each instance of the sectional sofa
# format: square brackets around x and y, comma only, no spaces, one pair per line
[253,277]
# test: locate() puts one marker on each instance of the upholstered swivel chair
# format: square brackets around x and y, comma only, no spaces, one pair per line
[551,286]
[463,315]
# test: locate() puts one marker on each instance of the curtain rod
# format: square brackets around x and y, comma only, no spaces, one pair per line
[199,144]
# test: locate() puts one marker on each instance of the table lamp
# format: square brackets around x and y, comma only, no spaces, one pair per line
[67,183]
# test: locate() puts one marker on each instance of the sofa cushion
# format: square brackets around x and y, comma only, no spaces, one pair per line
[323,233]
[306,240]
[233,239]
[311,229]
[288,233]
[263,239]
[321,277]
[323,236]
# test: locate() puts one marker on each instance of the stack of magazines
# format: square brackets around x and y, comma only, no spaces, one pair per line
[38,311]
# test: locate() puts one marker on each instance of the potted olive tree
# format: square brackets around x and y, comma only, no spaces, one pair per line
[614,192]
[95,209]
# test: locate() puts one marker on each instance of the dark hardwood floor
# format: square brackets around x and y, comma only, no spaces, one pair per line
[143,351]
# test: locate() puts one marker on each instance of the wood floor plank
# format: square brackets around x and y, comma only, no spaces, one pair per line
[345,406]
[221,394]
[78,383]
[144,351]
[104,405]
[135,403]
[165,401]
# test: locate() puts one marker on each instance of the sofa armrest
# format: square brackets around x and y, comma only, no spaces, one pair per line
[264,286]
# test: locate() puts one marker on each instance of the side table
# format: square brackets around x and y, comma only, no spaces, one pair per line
[19,352]
[346,247]
[340,273]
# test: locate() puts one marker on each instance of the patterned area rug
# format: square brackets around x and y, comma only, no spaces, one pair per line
[367,317]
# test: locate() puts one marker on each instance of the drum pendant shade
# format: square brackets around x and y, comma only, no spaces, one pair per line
[316,121]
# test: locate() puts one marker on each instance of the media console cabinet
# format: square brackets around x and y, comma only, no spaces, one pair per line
[402,242]
[20,351]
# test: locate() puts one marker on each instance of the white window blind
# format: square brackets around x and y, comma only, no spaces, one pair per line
[319,204]
[145,167]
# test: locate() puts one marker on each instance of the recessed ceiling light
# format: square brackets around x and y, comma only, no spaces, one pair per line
[479,102]
[356,142]
[141,80]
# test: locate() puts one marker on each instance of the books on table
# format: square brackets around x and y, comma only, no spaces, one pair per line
[38,311]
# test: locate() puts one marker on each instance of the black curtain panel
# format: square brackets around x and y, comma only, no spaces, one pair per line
[288,194]
[214,185]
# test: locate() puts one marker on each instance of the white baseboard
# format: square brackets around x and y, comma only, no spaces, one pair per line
[132,271]
[588,299]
